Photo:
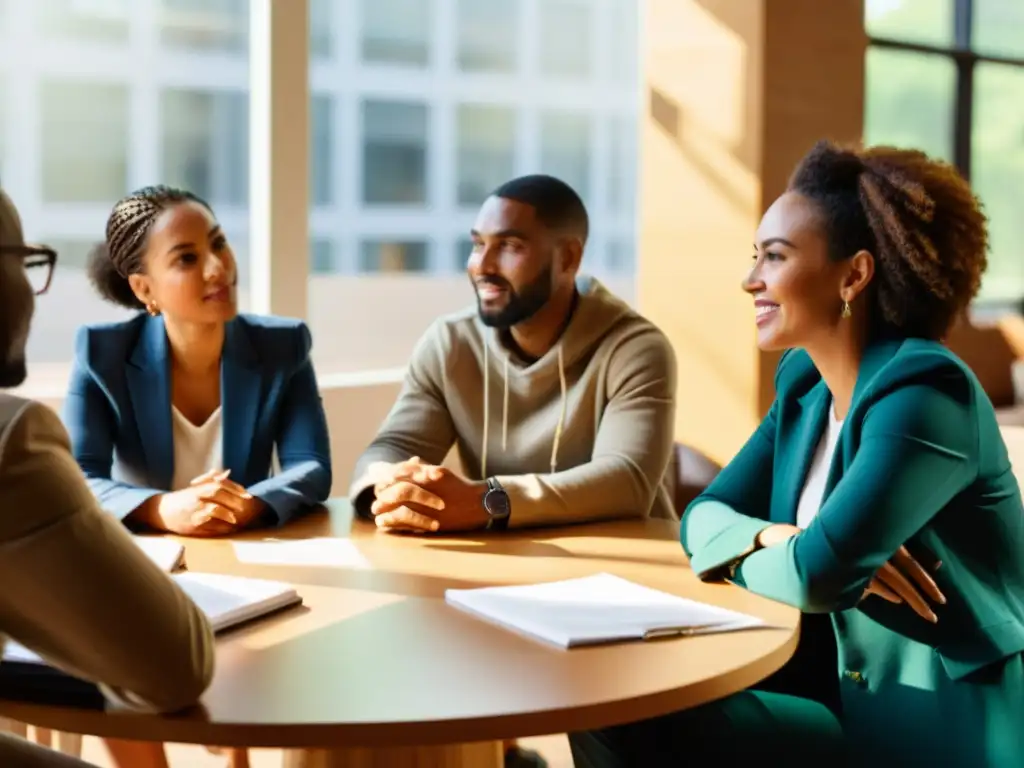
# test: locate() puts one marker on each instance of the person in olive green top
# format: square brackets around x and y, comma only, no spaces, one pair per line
[877,490]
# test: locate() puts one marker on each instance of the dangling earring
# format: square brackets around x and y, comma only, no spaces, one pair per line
[846,309]
[153,309]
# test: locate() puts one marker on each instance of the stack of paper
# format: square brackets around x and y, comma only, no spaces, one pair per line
[596,609]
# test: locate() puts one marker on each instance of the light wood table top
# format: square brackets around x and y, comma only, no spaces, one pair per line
[375,657]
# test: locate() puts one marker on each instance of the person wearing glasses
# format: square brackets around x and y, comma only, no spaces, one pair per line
[179,415]
[71,575]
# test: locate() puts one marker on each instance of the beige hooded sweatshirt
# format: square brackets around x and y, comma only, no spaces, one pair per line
[584,433]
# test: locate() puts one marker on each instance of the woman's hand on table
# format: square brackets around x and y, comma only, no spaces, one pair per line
[212,505]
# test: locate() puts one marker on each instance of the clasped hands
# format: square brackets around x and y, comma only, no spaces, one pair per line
[901,580]
[414,497]
[212,505]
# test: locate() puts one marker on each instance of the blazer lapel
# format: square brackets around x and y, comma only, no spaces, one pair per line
[149,387]
[241,384]
[798,455]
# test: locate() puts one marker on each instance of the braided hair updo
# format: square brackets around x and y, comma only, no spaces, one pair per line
[121,254]
[918,218]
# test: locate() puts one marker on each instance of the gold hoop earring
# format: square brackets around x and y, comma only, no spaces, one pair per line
[846,309]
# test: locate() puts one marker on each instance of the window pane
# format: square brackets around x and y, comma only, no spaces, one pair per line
[566,37]
[463,248]
[396,31]
[620,257]
[909,100]
[100,21]
[919,21]
[394,152]
[322,257]
[205,24]
[565,149]
[206,144]
[94,120]
[997,167]
[486,149]
[999,27]
[487,37]
[321,17]
[622,166]
[84,141]
[322,148]
[392,256]
[622,59]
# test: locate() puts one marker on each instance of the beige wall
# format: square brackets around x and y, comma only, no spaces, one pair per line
[737,91]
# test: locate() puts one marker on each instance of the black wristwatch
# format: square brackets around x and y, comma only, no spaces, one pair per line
[497,505]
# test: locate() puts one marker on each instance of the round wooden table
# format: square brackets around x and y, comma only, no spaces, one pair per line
[376,669]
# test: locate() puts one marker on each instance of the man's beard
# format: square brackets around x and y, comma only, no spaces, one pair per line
[522,305]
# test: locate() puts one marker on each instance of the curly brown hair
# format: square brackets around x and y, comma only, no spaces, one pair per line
[919,219]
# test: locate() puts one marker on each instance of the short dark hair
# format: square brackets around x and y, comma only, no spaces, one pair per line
[557,204]
[120,255]
[919,219]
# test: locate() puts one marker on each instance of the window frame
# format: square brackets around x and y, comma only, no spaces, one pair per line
[966,60]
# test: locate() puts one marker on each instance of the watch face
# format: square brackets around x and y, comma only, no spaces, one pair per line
[496,503]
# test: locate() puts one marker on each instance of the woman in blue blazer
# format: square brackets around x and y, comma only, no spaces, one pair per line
[877,491]
[177,415]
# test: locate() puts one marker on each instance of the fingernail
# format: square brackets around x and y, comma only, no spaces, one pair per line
[434,525]
[933,619]
[942,599]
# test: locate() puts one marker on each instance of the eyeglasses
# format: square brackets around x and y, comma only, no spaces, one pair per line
[39,262]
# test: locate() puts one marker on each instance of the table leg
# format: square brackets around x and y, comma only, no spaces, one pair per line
[487,754]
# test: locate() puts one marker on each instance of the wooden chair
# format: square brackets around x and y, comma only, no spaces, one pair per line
[68,743]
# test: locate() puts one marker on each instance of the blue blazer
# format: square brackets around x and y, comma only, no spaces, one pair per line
[119,403]
[920,461]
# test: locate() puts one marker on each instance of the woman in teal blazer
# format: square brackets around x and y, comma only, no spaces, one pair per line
[877,490]
[189,417]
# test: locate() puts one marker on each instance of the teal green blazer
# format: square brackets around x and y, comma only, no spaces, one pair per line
[921,462]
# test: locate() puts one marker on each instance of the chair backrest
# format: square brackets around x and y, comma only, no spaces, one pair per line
[694,471]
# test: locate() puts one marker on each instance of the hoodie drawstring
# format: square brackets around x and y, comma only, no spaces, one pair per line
[561,415]
[563,404]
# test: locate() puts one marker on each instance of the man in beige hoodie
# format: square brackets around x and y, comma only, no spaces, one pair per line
[75,587]
[559,398]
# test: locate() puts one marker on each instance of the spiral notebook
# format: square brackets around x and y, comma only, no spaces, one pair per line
[227,601]
[596,609]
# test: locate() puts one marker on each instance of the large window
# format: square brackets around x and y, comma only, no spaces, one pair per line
[947,77]
[417,110]
[100,98]
[434,104]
